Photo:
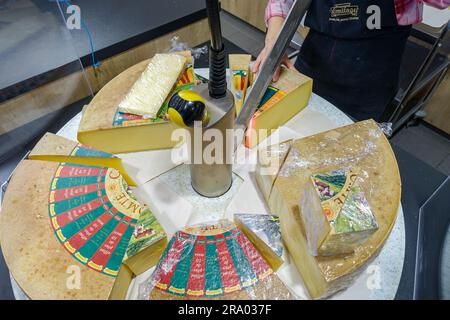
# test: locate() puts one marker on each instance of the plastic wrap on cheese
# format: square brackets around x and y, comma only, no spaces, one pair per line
[212,261]
[263,230]
[335,213]
[268,165]
[362,148]
[149,92]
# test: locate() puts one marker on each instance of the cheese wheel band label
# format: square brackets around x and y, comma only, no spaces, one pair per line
[209,263]
[92,214]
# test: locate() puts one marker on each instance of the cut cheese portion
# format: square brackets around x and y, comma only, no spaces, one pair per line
[239,74]
[146,244]
[55,148]
[65,230]
[263,231]
[149,92]
[213,261]
[122,283]
[282,101]
[362,145]
[269,162]
[105,128]
[151,136]
[335,213]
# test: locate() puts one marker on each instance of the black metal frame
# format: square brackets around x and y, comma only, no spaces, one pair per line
[420,81]
[432,230]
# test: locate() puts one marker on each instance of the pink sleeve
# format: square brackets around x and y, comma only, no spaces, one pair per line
[279,8]
[411,11]
[440,4]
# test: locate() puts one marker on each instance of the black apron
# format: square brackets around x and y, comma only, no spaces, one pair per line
[353,67]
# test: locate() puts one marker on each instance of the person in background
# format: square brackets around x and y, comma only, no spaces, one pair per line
[353,65]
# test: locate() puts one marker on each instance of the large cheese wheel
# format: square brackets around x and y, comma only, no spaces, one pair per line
[360,146]
[65,229]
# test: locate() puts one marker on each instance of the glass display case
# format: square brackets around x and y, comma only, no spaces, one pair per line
[40,72]
[55,54]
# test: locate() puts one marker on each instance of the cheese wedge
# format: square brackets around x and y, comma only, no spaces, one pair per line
[122,283]
[335,213]
[239,74]
[282,101]
[362,145]
[263,231]
[105,128]
[268,165]
[146,244]
[55,148]
[213,261]
[65,230]
[149,92]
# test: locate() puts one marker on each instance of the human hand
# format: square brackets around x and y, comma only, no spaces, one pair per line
[263,56]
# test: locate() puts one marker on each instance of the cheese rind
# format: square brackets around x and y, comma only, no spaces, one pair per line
[149,92]
[282,101]
[365,146]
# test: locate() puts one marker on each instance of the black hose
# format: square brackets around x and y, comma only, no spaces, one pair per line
[217,64]
[213,10]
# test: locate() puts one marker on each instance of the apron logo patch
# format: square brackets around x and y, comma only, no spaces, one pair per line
[344,12]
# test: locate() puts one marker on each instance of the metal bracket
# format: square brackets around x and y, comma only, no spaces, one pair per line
[3,189]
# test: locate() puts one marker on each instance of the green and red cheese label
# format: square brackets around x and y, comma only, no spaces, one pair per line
[343,201]
[93,215]
[85,151]
[209,265]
